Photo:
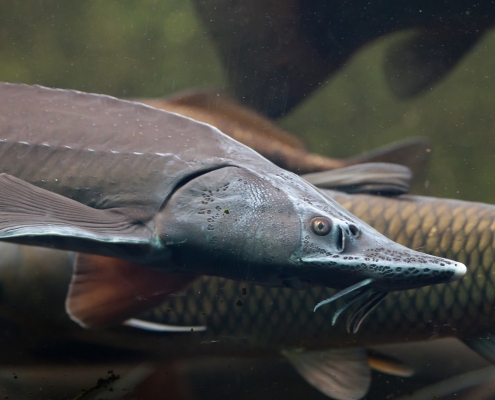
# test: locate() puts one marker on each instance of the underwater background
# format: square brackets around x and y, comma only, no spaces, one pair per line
[156,48]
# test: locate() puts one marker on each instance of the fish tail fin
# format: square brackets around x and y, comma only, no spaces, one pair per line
[337,373]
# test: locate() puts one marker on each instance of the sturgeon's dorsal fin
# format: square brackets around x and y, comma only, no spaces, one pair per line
[340,374]
[32,215]
[108,291]
[371,178]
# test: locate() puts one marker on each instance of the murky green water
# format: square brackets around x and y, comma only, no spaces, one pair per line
[156,48]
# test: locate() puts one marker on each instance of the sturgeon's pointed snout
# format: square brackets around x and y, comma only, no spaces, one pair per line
[366,254]
[459,271]
[386,269]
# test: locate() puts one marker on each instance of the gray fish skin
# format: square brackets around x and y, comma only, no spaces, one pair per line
[203,203]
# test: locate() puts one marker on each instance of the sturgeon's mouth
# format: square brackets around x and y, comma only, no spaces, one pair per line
[359,314]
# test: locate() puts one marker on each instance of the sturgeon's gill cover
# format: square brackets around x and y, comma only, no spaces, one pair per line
[169,198]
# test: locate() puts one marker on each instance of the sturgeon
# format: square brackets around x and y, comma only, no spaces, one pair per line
[169,199]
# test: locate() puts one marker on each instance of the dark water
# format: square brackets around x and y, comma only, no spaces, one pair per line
[156,48]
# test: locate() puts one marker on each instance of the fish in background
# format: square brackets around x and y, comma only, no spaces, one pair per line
[221,110]
[158,199]
[282,51]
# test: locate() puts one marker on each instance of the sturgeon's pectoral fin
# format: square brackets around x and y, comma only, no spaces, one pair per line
[340,374]
[371,178]
[419,61]
[32,215]
[107,291]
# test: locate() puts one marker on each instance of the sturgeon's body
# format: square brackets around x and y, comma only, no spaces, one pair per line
[149,188]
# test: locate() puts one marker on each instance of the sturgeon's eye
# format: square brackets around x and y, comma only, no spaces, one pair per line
[321,226]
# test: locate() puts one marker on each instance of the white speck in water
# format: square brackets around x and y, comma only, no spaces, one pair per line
[114,152]
[136,153]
